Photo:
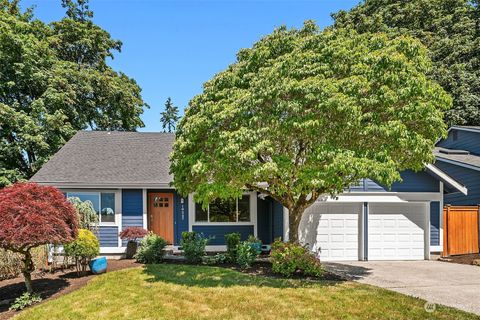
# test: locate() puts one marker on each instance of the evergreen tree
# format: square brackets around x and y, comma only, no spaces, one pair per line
[451,32]
[169,117]
[54,81]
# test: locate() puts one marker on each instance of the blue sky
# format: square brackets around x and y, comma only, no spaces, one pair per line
[172,47]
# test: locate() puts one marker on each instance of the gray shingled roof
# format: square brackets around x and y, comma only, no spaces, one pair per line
[101,157]
[461,157]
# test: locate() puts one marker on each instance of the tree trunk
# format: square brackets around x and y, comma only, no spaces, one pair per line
[27,270]
[294,218]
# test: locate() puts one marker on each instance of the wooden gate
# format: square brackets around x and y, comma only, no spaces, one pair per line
[461,230]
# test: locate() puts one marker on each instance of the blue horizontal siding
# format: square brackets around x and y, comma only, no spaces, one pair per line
[132,202]
[469,178]
[108,236]
[466,140]
[131,221]
[416,182]
[218,232]
[434,223]
[411,182]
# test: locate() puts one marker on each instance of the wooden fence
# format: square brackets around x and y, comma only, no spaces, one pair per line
[461,230]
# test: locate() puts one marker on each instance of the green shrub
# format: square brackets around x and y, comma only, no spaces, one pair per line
[289,258]
[219,258]
[151,249]
[84,248]
[232,240]
[193,245]
[25,300]
[246,254]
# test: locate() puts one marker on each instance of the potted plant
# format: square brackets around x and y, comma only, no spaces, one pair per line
[255,243]
[132,234]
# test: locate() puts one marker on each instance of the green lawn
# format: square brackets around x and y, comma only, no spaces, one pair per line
[169,291]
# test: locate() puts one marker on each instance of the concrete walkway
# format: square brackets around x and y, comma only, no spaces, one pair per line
[450,284]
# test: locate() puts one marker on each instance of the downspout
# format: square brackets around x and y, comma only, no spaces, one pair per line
[365,231]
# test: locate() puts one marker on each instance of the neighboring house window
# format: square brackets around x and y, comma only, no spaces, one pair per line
[225,211]
[102,202]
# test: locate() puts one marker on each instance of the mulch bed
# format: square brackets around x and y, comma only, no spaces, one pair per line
[50,285]
[265,269]
[463,259]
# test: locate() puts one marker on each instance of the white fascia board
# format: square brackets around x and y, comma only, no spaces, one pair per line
[385,197]
[366,198]
[448,179]
[68,185]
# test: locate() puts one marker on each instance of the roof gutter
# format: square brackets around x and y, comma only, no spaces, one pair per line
[116,185]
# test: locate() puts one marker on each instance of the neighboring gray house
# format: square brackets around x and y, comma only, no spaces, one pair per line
[126,176]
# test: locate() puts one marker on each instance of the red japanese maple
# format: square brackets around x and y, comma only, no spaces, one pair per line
[133,233]
[32,215]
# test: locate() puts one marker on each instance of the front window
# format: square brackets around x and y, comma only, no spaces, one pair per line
[232,210]
[103,203]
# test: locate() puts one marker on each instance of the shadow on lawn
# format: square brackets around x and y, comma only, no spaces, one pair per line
[207,276]
[45,287]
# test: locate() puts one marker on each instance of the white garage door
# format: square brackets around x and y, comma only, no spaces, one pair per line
[336,230]
[397,231]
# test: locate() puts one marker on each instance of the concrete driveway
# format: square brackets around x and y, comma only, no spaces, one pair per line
[450,284]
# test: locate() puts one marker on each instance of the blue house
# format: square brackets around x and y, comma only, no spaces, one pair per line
[126,177]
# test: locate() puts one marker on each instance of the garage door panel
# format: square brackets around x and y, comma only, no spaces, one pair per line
[336,230]
[396,231]
[389,223]
[337,223]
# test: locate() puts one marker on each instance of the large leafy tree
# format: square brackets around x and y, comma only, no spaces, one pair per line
[54,80]
[169,117]
[32,215]
[305,113]
[451,31]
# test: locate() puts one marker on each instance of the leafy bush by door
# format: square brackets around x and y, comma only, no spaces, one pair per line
[193,245]
[151,249]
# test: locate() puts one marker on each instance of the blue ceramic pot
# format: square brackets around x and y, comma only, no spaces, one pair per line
[257,246]
[98,265]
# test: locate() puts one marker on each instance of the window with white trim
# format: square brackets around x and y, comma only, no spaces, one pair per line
[102,202]
[232,210]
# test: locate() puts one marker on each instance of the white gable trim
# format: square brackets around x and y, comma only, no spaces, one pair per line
[448,179]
